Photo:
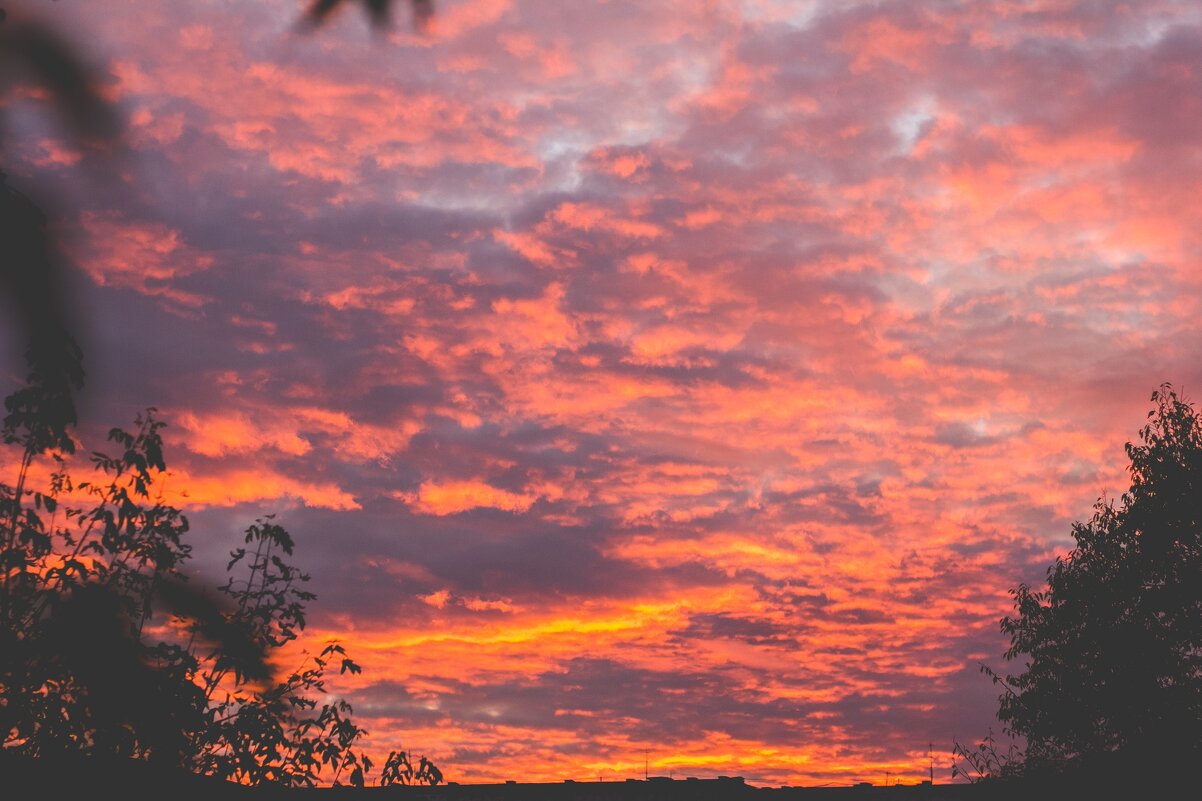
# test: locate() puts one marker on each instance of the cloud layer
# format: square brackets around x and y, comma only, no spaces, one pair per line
[687,380]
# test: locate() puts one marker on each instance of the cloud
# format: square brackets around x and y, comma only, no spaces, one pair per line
[460,496]
[676,376]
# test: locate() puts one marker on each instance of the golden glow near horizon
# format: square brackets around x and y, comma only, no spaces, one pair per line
[680,382]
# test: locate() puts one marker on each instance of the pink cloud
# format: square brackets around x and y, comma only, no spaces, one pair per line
[631,350]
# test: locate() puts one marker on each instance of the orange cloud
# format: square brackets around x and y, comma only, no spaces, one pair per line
[770,344]
[460,496]
[241,486]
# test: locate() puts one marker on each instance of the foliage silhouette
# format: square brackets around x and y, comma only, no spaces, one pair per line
[1112,646]
[90,664]
[986,760]
[399,769]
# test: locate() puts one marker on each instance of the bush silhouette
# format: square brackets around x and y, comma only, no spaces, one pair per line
[108,651]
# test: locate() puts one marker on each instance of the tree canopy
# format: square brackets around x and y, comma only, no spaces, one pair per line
[1111,647]
[108,651]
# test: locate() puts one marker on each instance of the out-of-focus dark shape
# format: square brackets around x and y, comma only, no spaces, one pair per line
[123,699]
[30,276]
[130,697]
[43,56]
[378,10]
[30,272]
[216,623]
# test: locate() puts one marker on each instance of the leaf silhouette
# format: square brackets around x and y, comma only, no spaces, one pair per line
[379,11]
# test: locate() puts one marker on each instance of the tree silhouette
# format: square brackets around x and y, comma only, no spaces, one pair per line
[1112,646]
[107,651]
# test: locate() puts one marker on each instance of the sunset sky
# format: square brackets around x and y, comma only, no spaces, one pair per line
[681,380]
